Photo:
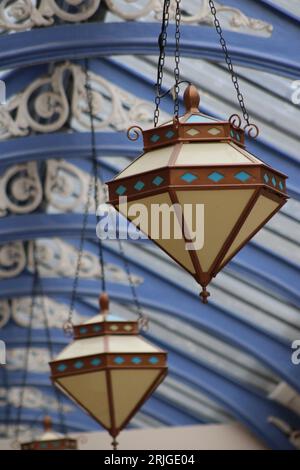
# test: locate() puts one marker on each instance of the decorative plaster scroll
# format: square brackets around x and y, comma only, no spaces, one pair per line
[46,105]
[20,15]
[20,189]
[58,258]
[12,260]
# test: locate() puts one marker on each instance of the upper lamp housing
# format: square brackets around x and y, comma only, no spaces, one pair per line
[198,160]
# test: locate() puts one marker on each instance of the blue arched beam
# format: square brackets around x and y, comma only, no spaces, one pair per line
[40,225]
[217,321]
[67,145]
[281,10]
[277,54]
[276,273]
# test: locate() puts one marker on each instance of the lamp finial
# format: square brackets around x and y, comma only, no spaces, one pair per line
[104,303]
[191,99]
[47,421]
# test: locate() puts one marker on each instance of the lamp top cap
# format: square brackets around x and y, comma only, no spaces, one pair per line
[47,421]
[191,99]
[104,303]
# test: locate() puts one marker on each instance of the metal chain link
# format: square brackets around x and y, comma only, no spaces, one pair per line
[95,168]
[59,400]
[177,59]
[34,293]
[92,189]
[68,326]
[162,42]
[143,320]
[234,76]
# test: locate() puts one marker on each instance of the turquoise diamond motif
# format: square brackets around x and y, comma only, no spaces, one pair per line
[216,176]
[242,176]
[238,137]
[96,362]
[281,185]
[83,330]
[139,185]
[121,190]
[189,177]
[155,138]
[153,360]
[119,360]
[266,178]
[97,328]
[136,360]
[170,134]
[62,367]
[273,181]
[78,364]
[157,180]
[232,133]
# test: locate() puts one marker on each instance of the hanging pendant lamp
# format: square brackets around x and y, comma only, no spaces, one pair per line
[50,440]
[199,163]
[200,160]
[109,370]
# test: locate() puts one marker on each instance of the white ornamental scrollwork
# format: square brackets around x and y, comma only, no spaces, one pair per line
[38,359]
[44,107]
[12,260]
[192,13]
[20,189]
[66,188]
[20,15]
[58,258]
[55,312]
[31,398]
[4,313]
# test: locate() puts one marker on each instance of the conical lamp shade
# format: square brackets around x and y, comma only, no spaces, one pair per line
[197,192]
[109,370]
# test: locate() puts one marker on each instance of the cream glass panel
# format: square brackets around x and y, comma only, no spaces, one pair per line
[213,153]
[222,209]
[90,390]
[260,212]
[249,156]
[175,247]
[128,344]
[129,388]
[82,347]
[149,161]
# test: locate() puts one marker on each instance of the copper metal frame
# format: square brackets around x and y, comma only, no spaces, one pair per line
[227,133]
[117,328]
[54,444]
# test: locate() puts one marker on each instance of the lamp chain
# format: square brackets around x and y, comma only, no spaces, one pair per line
[162,42]
[92,190]
[234,76]
[34,293]
[59,400]
[177,59]
[142,318]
